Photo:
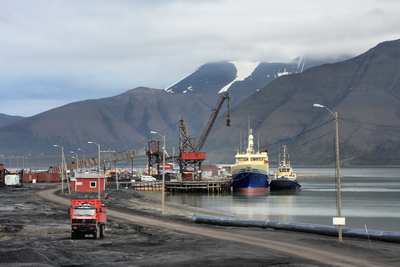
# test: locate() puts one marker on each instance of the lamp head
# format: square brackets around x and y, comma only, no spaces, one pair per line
[318,106]
[153,132]
[90,142]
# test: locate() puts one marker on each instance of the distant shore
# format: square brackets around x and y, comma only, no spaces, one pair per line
[313,176]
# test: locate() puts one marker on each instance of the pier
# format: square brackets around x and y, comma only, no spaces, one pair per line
[144,186]
[209,186]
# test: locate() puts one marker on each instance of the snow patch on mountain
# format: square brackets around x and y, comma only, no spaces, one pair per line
[190,88]
[283,73]
[169,89]
[244,70]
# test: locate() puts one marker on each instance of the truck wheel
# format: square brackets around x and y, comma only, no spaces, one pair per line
[73,235]
[96,235]
[103,230]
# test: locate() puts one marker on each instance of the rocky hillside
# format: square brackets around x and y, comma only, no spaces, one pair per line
[117,123]
[7,119]
[239,78]
[365,91]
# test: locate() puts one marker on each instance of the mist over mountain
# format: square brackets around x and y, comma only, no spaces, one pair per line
[240,78]
[275,98]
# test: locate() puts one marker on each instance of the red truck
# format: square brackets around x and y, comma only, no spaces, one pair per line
[88,216]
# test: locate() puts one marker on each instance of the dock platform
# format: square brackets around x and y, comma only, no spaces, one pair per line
[209,186]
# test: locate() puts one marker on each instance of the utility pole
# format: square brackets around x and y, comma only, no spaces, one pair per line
[339,221]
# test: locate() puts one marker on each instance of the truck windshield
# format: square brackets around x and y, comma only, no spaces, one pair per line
[84,211]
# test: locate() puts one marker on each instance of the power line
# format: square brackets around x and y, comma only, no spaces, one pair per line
[314,139]
[308,141]
[144,140]
[383,125]
[268,145]
[350,122]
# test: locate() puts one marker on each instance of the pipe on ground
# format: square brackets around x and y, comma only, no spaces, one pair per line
[299,227]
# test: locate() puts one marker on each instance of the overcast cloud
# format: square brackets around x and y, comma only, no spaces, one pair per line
[56,52]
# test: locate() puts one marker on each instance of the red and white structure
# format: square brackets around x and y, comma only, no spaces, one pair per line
[88,182]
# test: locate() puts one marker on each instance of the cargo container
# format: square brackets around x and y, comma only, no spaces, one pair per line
[30,177]
[12,179]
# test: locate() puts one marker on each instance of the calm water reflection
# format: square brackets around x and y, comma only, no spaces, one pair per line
[370,196]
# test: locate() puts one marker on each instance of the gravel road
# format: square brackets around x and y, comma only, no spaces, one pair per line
[35,231]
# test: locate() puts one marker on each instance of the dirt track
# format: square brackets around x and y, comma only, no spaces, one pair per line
[37,231]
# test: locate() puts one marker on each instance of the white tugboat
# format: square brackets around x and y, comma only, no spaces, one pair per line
[285,179]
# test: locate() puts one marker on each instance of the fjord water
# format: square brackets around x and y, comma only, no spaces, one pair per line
[370,196]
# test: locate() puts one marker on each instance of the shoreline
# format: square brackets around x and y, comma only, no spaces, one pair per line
[314,176]
[40,228]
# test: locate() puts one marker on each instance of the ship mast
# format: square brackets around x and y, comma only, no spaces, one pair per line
[251,143]
[284,155]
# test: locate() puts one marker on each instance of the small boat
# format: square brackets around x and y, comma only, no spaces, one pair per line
[285,179]
[250,173]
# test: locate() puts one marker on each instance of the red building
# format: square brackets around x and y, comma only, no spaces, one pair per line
[42,178]
[88,182]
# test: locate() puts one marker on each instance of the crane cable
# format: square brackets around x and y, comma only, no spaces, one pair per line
[228,120]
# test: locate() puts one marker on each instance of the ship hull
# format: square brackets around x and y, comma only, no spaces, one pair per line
[250,181]
[284,184]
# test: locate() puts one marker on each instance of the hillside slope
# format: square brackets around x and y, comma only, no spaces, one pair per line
[117,123]
[363,89]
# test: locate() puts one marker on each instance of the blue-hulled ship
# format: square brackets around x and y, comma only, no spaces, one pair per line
[285,179]
[250,173]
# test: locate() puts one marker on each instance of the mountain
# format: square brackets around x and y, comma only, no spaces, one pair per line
[125,121]
[365,91]
[276,99]
[7,119]
[117,123]
[240,78]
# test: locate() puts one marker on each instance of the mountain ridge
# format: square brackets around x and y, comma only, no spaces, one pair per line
[361,89]
[364,88]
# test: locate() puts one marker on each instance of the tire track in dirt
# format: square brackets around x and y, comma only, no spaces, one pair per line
[313,254]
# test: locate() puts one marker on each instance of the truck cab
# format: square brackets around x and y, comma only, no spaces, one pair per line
[88,216]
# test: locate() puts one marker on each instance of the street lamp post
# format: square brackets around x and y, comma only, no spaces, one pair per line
[3,159]
[90,142]
[339,221]
[38,162]
[77,162]
[27,161]
[83,160]
[163,173]
[62,167]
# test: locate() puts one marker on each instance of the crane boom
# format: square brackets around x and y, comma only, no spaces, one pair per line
[212,119]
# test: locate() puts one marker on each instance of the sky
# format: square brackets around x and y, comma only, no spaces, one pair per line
[54,52]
